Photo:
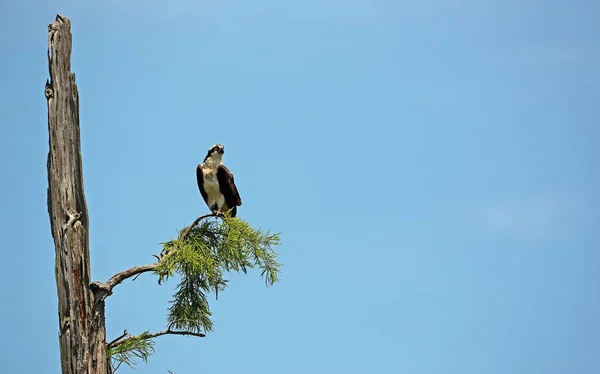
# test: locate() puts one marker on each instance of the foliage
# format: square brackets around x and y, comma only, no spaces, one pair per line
[200,258]
[140,346]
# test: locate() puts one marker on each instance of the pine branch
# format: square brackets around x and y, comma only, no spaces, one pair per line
[104,289]
[125,333]
[175,332]
[128,349]
[145,336]
[125,274]
[200,255]
[190,227]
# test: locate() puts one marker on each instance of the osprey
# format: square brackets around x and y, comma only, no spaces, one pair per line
[216,184]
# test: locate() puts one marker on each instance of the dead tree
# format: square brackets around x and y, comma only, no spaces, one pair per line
[201,254]
[82,325]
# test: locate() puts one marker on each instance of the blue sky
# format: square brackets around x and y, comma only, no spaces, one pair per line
[432,167]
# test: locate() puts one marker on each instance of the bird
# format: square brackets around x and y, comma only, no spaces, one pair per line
[216,183]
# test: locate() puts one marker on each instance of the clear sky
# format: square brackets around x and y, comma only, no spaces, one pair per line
[432,166]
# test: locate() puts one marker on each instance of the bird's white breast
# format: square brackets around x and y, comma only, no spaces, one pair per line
[211,187]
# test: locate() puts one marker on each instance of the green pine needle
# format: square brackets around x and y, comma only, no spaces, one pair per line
[201,258]
[135,347]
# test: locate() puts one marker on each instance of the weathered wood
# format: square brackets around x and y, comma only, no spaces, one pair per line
[82,331]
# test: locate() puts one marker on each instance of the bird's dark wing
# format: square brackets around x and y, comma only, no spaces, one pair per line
[200,179]
[227,187]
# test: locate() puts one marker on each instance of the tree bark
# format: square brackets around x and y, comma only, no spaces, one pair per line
[81,316]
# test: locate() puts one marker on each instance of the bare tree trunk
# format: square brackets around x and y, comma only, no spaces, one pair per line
[82,325]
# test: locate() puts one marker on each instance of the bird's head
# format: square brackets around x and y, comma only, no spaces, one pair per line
[215,152]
